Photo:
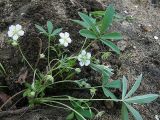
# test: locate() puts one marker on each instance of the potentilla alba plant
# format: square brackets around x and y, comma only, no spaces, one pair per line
[15,31]
[61,68]
[84,58]
[65,39]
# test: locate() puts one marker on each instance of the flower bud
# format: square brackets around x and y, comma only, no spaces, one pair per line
[32,94]
[14,43]
[87,85]
[49,78]
[42,55]
[78,70]
[93,91]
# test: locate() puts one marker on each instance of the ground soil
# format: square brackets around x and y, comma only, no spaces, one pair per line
[141,53]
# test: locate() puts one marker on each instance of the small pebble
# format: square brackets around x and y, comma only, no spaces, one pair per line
[136,6]
[126,12]
[155,37]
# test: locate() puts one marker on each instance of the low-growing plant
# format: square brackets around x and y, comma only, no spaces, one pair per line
[62,67]
[96,29]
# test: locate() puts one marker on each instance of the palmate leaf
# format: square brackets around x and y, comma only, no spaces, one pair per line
[40,29]
[107,19]
[113,36]
[142,99]
[88,34]
[134,112]
[102,69]
[83,24]
[108,93]
[56,31]
[105,78]
[50,27]
[114,84]
[124,112]
[111,45]
[135,86]
[88,20]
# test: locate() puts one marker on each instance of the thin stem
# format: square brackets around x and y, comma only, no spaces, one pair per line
[11,99]
[89,45]
[55,106]
[25,58]
[67,107]
[27,61]
[84,43]
[78,99]
[49,40]
[64,81]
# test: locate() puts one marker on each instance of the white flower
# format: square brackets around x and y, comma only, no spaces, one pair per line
[15,31]
[84,58]
[155,37]
[65,39]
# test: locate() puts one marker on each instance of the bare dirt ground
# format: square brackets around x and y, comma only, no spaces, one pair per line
[140,55]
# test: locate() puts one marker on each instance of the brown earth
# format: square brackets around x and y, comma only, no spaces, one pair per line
[141,54]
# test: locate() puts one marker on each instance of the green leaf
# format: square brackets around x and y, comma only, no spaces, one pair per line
[79,117]
[83,24]
[114,84]
[102,69]
[107,19]
[135,86]
[108,93]
[88,21]
[113,36]
[56,31]
[124,112]
[105,78]
[124,89]
[142,99]
[50,27]
[40,29]
[88,34]
[111,45]
[98,13]
[134,112]
[86,113]
[70,116]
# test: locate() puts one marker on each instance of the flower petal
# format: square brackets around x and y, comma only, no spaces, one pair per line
[81,63]
[83,52]
[18,27]
[65,44]
[61,41]
[21,33]
[66,34]
[15,37]
[88,55]
[62,35]
[69,40]
[10,33]
[79,57]
[12,28]
[87,62]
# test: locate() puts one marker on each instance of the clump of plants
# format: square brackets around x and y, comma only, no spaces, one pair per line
[63,67]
